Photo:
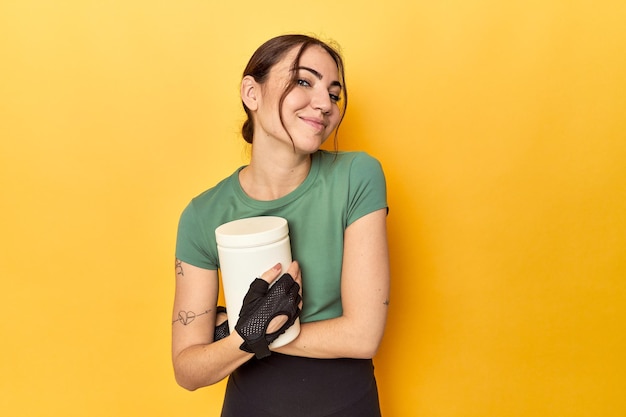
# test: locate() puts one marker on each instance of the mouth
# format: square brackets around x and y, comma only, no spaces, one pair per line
[315,123]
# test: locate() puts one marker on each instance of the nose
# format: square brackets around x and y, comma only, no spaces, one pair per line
[321,101]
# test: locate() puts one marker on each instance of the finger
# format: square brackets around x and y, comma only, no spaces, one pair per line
[296,273]
[271,274]
[258,289]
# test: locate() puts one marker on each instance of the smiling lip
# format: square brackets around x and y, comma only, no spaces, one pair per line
[318,124]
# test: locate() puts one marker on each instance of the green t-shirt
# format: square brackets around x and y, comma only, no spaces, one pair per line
[339,189]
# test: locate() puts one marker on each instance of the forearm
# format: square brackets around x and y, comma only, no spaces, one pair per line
[341,337]
[200,360]
[203,365]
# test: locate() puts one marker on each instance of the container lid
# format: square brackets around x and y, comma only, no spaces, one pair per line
[251,232]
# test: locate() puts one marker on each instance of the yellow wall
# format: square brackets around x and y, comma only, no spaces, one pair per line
[502,129]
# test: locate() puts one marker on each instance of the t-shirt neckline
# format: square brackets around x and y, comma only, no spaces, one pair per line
[284,200]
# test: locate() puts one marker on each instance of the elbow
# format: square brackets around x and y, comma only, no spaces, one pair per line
[365,342]
[184,381]
[367,353]
[366,349]
[190,376]
[187,376]
[191,380]
[182,377]
[188,387]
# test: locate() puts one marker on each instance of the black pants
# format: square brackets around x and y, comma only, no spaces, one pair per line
[290,386]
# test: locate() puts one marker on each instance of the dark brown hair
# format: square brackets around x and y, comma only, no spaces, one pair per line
[272,52]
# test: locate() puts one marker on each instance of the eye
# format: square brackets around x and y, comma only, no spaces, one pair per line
[334,98]
[303,83]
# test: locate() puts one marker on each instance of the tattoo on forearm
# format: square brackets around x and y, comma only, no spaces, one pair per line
[179,268]
[186,317]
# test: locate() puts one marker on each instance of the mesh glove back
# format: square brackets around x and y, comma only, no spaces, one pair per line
[260,305]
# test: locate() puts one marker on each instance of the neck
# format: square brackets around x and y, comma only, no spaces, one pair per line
[270,176]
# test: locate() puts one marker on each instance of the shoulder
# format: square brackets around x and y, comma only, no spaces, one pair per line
[195,242]
[359,177]
[202,208]
[348,162]
[217,193]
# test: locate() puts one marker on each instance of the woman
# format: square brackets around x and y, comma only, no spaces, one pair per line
[335,204]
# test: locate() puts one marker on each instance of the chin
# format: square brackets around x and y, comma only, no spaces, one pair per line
[309,146]
[308,150]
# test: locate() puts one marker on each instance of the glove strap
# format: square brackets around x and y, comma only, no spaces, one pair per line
[259,347]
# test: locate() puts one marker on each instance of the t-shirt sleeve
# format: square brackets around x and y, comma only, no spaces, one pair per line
[368,190]
[191,242]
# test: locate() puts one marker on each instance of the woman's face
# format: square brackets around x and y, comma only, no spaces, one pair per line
[310,111]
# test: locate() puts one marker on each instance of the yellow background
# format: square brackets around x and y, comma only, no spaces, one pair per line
[502,129]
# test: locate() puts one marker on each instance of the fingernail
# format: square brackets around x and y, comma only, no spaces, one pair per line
[277,267]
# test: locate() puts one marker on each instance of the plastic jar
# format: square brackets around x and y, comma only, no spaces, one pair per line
[247,248]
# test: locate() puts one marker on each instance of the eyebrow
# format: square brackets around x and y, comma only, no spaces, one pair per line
[319,76]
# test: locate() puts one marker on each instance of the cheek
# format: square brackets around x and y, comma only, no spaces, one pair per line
[296,99]
[334,117]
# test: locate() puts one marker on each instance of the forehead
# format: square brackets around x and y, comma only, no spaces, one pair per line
[314,57]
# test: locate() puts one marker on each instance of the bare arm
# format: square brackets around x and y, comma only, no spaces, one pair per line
[365,298]
[197,360]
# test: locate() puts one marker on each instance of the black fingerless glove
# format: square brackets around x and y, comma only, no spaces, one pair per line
[260,305]
[222,330]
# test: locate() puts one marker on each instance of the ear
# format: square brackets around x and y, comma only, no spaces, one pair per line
[250,90]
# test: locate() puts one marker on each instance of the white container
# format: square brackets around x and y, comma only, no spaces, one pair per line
[246,249]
